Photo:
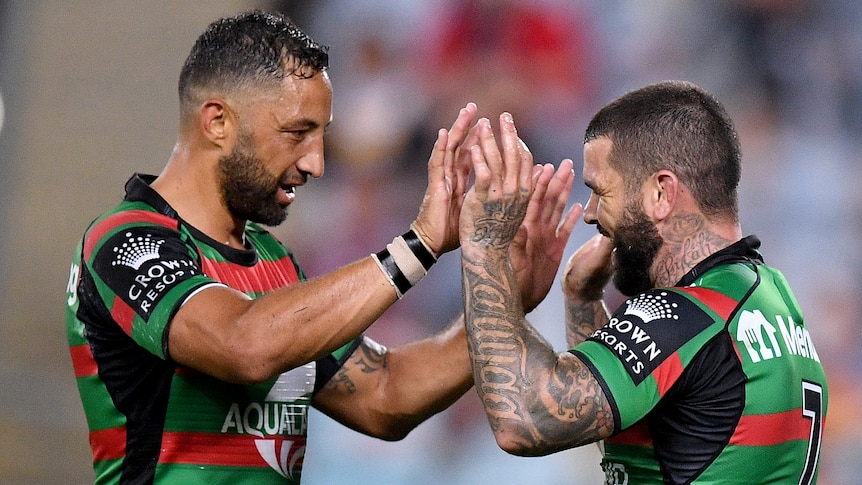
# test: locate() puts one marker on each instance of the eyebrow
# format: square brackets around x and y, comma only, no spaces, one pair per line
[303,124]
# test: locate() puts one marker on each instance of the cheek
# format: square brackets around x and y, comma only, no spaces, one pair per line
[608,214]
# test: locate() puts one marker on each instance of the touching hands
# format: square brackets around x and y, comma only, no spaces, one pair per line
[517,207]
[514,206]
[538,246]
[497,203]
[448,171]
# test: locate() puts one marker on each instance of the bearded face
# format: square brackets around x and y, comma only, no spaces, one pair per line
[248,189]
[636,243]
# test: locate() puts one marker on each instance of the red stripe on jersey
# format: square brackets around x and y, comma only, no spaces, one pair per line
[667,373]
[771,429]
[718,302]
[82,361]
[106,225]
[123,314]
[108,444]
[225,449]
[263,276]
[637,434]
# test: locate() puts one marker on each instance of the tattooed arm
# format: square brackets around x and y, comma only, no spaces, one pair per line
[537,401]
[386,392]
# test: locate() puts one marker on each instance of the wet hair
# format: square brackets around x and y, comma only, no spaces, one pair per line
[674,125]
[252,50]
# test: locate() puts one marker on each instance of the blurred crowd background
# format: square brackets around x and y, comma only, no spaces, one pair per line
[87,96]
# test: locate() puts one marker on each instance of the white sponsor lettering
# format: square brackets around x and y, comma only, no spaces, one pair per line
[615,473]
[638,336]
[268,419]
[797,338]
[72,285]
[753,327]
[157,278]
[646,346]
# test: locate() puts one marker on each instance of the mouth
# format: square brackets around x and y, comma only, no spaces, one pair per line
[601,230]
[287,193]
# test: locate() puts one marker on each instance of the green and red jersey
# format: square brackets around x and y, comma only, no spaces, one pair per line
[715,380]
[151,420]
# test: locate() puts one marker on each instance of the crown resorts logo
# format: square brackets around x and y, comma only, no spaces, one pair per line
[154,275]
[649,307]
[137,250]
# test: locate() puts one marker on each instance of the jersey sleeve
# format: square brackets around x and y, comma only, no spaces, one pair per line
[643,349]
[143,269]
[329,365]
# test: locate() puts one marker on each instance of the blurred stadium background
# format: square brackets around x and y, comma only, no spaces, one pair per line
[87,96]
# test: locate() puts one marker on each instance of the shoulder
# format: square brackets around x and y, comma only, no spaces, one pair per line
[648,328]
[132,218]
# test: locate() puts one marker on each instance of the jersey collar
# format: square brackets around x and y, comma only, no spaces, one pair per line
[743,251]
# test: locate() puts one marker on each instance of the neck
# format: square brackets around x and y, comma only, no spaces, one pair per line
[191,187]
[687,240]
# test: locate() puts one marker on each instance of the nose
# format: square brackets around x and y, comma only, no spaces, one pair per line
[312,161]
[590,210]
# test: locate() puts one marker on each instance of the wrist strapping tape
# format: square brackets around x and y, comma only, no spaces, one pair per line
[405,261]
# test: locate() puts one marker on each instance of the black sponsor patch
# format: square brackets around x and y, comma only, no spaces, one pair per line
[648,328]
[142,264]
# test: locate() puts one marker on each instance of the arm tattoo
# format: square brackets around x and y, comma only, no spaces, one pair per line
[582,319]
[549,403]
[367,358]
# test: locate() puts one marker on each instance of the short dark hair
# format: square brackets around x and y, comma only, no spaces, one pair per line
[678,126]
[253,48]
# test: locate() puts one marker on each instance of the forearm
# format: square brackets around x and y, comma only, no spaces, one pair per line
[537,402]
[502,348]
[231,337]
[326,312]
[426,377]
[386,393]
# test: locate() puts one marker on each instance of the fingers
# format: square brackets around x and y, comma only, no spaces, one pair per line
[517,174]
[559,188]
[568,225]
[491,154]
[511,163]
[542,176]
[551,192]
[482,171]
[462,126]
[444,153]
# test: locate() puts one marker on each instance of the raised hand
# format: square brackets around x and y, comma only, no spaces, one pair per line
[588,270]
[538,247]
[448,170]
[497,203]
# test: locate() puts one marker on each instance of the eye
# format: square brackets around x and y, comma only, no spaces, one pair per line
[295,134]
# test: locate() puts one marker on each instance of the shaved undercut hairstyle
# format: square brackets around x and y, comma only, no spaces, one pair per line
[677,126]
[250,52]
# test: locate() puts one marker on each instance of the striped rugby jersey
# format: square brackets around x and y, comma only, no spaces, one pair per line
[715,380]
[151,420]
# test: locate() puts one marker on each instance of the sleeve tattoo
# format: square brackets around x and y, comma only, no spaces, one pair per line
[549,402]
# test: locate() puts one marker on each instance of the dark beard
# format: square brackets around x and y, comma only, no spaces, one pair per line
[636,243]
[248,189]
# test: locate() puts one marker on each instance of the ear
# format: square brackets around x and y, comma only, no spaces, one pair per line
[663,191]
[217,122]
